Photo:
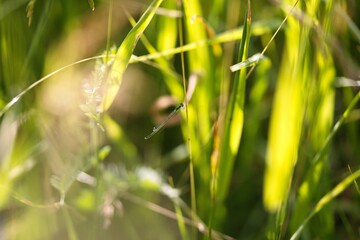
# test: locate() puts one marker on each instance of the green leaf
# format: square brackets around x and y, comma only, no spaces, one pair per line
[286,118]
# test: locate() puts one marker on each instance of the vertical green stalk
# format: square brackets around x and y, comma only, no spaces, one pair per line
[286,119]
[286,122]
[233,126]
[319,118]
[200,60]
[124,53]
[167,37]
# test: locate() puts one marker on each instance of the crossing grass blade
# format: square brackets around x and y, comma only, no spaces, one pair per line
[226,120]
[166,42]
[124,53]
[326,199]
[258,28]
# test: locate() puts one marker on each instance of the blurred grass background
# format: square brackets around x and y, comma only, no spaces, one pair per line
[269,153]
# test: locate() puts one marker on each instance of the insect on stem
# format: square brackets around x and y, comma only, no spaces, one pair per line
[163,123]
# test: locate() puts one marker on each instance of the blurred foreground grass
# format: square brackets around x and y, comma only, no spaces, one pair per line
[267,151]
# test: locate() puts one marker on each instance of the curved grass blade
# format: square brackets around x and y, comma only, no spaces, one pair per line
[170,76]
[21,94]
[125,51]
[258,28]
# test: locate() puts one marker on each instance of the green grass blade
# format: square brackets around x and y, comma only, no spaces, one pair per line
[198,125]
[258,28]
[319,119]
[166,39]
[336,128]
[326,199]
[170,76]
[286,120]
[125,51]
[234,119]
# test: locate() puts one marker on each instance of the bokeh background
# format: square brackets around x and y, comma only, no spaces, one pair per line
[72,169]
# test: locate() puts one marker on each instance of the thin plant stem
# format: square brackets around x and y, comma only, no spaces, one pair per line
[271,39]
[109,32]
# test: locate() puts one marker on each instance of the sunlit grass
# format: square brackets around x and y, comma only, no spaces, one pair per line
[265,138]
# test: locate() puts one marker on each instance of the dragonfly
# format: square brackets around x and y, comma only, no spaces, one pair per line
[163,123]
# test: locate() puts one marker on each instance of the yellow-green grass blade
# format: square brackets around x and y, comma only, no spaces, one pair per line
[253,119]
[319,119]
[117,135]
[258,28]
[125,51]
[234,120]
[199,60]
[170,76]
[167,29]
[166,39]
[286,119]
[283,143]
[326,199]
